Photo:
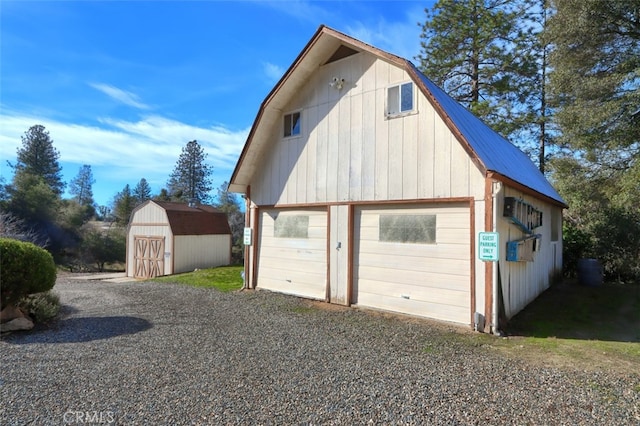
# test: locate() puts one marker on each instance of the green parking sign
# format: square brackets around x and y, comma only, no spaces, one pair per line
[488,243]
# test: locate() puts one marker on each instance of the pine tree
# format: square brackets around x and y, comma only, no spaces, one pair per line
[474,50]
[191,177]
[38,157]
[142,191]
[596,84]
[81,186]
[123,205]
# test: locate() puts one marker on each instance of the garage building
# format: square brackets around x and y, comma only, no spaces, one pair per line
[367,185]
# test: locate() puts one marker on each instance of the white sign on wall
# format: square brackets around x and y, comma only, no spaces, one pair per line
[488,243]
[248,237]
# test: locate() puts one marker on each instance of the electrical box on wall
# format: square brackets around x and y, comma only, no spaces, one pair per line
[521,250]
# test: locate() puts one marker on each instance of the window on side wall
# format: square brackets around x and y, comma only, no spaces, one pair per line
[400,99]
[292,124]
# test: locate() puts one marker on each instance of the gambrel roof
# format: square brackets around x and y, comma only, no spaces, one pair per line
[187,220]
[494,156]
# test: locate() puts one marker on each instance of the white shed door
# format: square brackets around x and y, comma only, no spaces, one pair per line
[293,252]
[414,260]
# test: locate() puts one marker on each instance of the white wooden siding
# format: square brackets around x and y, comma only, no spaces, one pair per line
[430,280]
[295,266]
[201,251]
[522,282]
[349,150]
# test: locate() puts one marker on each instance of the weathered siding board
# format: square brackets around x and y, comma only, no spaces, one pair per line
[381,141]
[369,114]
[356,148]
[522,282]
[425,152]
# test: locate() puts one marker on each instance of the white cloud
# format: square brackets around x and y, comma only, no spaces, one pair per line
[123,96]
[125,151]
[273,72]
[400,38]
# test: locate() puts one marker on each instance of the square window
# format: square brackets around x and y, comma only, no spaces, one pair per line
[292,124]
[400,99]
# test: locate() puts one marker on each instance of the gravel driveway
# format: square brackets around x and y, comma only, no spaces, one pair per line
[150,354]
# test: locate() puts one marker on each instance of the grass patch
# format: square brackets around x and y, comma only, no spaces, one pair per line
[581,327]
[223,278]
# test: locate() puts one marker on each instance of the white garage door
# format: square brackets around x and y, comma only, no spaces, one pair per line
[293,252]
[414,260]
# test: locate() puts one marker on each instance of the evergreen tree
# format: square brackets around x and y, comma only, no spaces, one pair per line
[595,90]
[142,191]
[81,186]
[38,157]
[596,86]
[191,177]
[123,205]
[476,50]
[228,203]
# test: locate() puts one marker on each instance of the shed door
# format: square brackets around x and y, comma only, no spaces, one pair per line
[414,260]
[148,257]
[293,252]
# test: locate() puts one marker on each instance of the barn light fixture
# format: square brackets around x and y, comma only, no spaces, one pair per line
[337,83]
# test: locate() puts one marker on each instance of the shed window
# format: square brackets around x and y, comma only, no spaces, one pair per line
[291,226]
[400,99]
[406,228]
[292,124]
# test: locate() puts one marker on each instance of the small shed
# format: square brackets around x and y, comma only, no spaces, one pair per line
[165,238]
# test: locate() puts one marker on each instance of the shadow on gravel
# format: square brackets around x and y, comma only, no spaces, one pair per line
[82,329]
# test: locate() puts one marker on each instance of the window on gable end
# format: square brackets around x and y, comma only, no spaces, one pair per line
[400,99]
[292,124]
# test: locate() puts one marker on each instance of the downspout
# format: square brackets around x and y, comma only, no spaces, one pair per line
[497,186]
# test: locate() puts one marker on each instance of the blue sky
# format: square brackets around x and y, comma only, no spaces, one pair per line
[124,85]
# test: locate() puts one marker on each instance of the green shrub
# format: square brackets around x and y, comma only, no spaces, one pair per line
[41,306]
[24,269]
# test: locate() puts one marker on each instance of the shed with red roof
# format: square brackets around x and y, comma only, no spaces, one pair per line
[165,238]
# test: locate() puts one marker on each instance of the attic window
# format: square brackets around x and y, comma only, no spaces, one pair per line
[341,53]
[400,99]
[292,124]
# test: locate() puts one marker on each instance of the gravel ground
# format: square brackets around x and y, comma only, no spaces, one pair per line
[151,354]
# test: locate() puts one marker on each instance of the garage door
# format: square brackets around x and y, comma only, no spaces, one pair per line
[293,252]
[414,260]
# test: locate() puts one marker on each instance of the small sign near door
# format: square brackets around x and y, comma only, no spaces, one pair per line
[488,243]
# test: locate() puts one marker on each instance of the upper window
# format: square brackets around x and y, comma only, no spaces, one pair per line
[292,124]
[400,99]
